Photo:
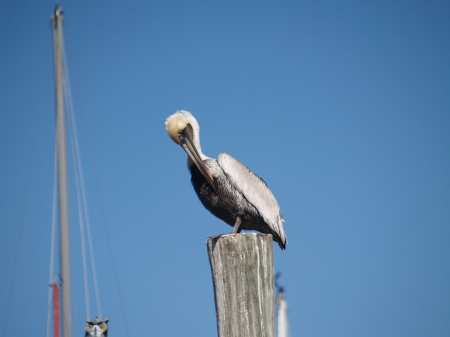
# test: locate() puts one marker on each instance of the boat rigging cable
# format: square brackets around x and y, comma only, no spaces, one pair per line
[81,202]
[105,226]
[83,214]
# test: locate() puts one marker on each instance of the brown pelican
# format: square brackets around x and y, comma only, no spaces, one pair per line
[227,188]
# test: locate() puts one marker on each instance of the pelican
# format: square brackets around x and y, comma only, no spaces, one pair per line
[227,188]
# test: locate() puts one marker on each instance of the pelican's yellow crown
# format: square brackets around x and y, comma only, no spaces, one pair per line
[177,122]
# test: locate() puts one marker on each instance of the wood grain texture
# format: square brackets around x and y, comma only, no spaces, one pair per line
[242,271]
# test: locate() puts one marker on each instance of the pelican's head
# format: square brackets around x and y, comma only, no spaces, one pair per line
[183,128]
[177,123]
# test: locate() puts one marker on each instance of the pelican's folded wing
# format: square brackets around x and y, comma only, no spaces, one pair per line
[255,191]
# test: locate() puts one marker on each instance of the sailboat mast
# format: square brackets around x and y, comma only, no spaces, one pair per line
[62,173]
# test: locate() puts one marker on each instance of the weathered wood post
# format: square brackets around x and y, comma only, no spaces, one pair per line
[242,272]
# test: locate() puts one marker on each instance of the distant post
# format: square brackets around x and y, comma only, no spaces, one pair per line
[242,272]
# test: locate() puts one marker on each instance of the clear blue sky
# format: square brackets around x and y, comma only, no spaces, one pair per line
[342,107]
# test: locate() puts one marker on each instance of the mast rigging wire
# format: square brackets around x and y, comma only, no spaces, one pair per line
[82,206]
[105,227]
[78,180]
[83,212]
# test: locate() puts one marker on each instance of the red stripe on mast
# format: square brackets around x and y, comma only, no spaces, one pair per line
[55,310]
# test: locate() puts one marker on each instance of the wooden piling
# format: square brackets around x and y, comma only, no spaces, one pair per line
[242,272]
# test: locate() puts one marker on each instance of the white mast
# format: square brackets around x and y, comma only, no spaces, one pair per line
[62,172]
[283,327]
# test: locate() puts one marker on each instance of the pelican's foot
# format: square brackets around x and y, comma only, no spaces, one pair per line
[216,237]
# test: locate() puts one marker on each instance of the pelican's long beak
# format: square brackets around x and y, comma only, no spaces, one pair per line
[185,138]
